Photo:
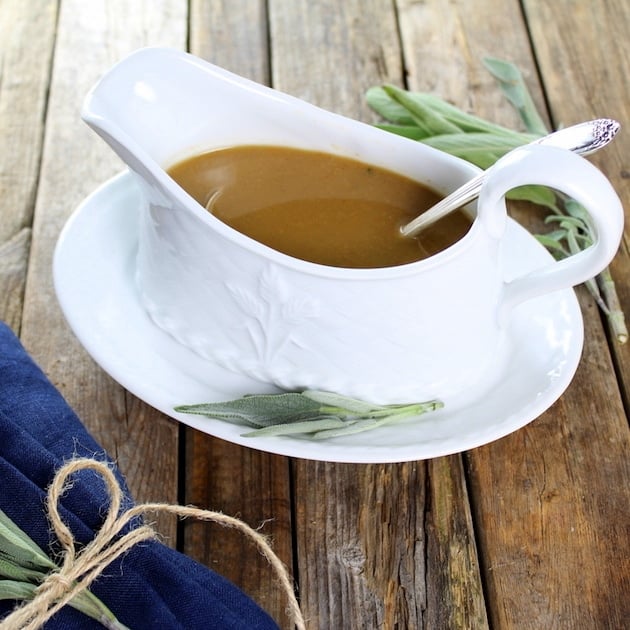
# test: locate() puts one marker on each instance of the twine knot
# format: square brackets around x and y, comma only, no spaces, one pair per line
[79,569]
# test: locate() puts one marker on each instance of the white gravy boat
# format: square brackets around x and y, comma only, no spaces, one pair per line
[411,333]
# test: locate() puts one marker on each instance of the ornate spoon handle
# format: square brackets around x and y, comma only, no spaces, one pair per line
[583,138]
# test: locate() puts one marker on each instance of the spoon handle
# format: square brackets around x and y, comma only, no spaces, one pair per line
[583,139]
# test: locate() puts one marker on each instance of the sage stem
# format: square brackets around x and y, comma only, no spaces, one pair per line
[615,314]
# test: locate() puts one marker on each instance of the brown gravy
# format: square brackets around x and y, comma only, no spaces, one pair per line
[317,206]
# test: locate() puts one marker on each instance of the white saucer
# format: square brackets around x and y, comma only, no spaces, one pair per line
[93,274]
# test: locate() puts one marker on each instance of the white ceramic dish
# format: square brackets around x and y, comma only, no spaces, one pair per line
[94,280]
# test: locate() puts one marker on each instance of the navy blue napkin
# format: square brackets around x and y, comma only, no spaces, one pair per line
[151,586]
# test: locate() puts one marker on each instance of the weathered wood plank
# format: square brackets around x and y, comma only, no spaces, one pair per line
[27,39]
[393,544]
[242,482]
[455,597]
[92,36]
[378,543]
[254,487]
[361,544]
[329,53]
[232,34]
[13,265]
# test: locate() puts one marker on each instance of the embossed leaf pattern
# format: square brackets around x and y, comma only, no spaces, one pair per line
[271,286]
[247,301]
[273,314]
[300,308]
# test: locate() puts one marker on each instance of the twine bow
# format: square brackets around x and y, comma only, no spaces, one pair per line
[80,568]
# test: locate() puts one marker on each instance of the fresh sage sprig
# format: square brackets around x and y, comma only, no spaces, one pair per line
[24,567]
[315,414]
[433,121]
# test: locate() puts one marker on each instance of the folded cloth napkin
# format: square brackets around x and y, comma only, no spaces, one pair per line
[151,585]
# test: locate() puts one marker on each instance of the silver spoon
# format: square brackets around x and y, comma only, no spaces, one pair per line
[583,138]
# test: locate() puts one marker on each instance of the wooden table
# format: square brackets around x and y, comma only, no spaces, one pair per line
[530,531]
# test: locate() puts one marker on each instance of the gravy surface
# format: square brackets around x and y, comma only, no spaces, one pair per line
[317,206]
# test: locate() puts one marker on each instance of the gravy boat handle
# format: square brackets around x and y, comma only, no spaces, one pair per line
[574,176]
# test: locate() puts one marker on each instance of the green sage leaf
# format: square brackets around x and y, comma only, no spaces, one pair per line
[13,570]
[330,399]
[19,547]
[17,590]
[313,413]
[378,99]
[539,195]
[553,245]
[25,566]
[259,410]
[567,222]
[515,90]
[465,121]
[422,115]
[90,605]
[292,428]
[413,132]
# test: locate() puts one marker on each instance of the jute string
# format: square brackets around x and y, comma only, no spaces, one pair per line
[79,569]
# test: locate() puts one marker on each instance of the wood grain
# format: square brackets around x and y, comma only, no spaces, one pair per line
[90,38]
[366,525]
[254,487]
[455,597]
[13,266]
[444,51]
[25,57]
[233,35]
[329,53]
[396,546]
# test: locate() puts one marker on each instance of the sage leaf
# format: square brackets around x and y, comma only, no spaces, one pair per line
[412,132]
[90,605]
[540,195]
[312,413]
[15,544]
[13,570]
[465,121]
[17,590]
[389,109]
[331,399]
[422,115]
[553,245]
[310,426]
[349,429]
[259,410]
[515,90]
[24,565]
